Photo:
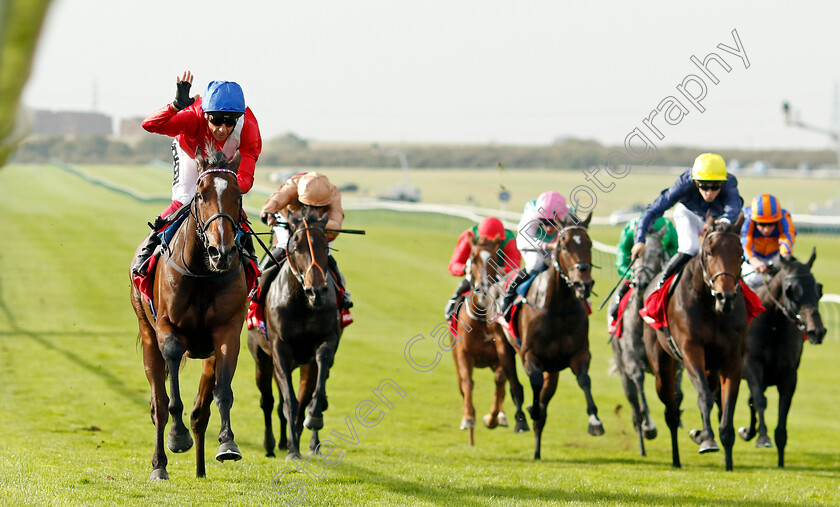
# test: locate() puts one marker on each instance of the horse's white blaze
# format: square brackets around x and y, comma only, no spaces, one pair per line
[221,186]
[485,255]
[576,239]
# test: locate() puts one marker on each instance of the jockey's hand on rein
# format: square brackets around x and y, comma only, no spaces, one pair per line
[268,218]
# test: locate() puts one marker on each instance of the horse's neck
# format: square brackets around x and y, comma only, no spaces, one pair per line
[557,292]
[190,245]
[693,277]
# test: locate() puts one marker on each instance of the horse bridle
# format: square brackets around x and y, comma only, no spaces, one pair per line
[580,266]
[710,281]
[791,314]
[297,274]
[201,227]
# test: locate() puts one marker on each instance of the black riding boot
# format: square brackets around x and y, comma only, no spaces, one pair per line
[345,304]
[616,300]
[456,298]
[269,272]
[148,249]
[248,245]
[510,293]
[674,266]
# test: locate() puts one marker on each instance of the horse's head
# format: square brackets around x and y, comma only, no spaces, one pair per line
[721,256]
[800,294]
[483,271]
[308,251]
[572,255]
[651,261]
[217,208]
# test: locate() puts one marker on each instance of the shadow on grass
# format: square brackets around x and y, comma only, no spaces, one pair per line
[112,382]
[478,496]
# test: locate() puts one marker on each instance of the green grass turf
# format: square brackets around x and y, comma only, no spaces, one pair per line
[75,414]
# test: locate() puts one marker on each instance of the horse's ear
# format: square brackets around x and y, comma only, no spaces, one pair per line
[710,220]
[739,222]
[813,257]
[234,164]
[585,223]
[472,239]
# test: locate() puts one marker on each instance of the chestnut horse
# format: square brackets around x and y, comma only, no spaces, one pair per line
[775,344]
[629,349]
[477,343]
[554,324]
[198,309]
[707,316]
[303,325]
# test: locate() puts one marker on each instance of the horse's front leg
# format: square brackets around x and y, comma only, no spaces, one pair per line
[730,381]
[497,416]
[464,370]
[695,365]
[753,374]
[283,376]
[264,377]
[507,361]
[156,374]
[323,359]
[201,412]
[580,367]
[172,351]
[535,375]
[786,389]
[226,341]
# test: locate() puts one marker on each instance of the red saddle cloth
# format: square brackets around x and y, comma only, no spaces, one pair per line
[256,311]
[619,316]
[655,311]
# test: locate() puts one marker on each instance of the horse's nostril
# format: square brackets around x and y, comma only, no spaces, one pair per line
[214,253]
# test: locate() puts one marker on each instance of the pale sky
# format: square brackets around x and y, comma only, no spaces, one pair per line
[454,71]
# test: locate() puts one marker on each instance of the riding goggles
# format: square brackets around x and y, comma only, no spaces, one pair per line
[709,186]
[222,118]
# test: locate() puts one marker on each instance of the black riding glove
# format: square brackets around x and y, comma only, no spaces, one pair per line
[182,96]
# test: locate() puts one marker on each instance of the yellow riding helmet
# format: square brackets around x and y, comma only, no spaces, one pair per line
[314,189]
[709,167]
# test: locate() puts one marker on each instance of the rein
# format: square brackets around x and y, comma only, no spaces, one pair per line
[710,281]
[292,267]
[790,314]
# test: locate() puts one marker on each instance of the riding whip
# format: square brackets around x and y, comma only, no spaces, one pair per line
[620,280]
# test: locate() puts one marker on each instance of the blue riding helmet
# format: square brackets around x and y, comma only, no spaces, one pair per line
[223,96]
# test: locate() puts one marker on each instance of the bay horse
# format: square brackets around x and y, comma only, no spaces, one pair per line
[554,324]
[197,311]
[303,326]
[707,316]
[629,349]
[477,340]
[776,341]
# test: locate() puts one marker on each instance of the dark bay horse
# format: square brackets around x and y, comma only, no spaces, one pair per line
[775,344]
[707,316]
[303,325]
[629,349]
[478,343]
[198,309]
[554,324]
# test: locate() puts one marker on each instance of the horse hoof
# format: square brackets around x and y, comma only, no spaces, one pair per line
[293,455]
[228,451]
[649,433]
[521,426]
[313,423]
[709,446]
[596,428]
[467,423]
[744,433]
[489,422]
[764,441]
[695,436]
[159,474]
[179,443]
[502,419]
